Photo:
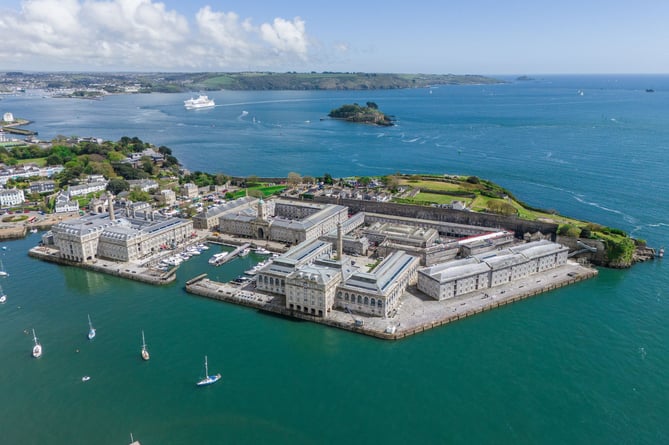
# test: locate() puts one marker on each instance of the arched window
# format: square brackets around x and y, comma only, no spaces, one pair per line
[379,303]
[367,301]
[339,295]
[271,281]
[372,302]
[346,296]
[359,299]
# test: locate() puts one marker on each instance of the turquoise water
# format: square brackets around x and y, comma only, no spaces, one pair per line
[585,364]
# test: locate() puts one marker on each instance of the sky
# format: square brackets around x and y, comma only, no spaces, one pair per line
[437,36]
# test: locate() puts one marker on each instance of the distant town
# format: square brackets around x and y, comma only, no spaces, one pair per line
[95,85]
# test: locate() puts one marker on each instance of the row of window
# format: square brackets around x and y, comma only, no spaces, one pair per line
[360,299]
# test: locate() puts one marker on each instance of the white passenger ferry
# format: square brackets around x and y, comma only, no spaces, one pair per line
[200,102]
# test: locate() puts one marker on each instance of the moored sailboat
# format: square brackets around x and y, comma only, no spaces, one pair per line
[208,379]
[3,296]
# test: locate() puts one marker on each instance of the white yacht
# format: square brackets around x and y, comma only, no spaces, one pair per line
[200,102]
[217,257]
[208,379]
[37,349]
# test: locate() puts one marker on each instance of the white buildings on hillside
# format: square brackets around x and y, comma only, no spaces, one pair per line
[27,171]
[11,197]
[64,204]
[86,188]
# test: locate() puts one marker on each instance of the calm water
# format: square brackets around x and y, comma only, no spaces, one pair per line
[587,364]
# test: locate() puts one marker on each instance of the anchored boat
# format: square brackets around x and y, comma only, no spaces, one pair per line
[208,379]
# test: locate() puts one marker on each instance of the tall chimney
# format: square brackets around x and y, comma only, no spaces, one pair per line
[340,242]
[110,203]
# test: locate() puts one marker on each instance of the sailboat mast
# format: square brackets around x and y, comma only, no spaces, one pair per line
[206,368]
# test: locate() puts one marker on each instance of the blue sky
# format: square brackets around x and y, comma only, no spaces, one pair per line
[466,37]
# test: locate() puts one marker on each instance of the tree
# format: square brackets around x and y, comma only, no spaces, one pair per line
[54,159]
[364,181]
[252,180]
[255,193]
[220,179]
[372,105]
[392,182]
[327,179]
[116,186]
[137,195]
[294,179]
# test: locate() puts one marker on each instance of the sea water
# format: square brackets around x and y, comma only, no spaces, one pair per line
[583,364]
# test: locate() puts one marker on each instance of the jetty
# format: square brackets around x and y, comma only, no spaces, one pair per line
[417,313]
[231,255]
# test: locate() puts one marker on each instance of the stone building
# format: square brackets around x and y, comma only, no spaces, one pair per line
[378,293]
[272,277]
[116,236]
[168,197]
[311,289]
[290,222]
[210,218]
[490,269]
[190,190]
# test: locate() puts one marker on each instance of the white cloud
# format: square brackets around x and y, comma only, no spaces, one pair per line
[144,35]
[286,36]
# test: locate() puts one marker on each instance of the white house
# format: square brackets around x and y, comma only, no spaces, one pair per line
[64,204]
[11,197]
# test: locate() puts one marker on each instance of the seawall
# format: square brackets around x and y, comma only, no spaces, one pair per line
[417,313]
[122,270]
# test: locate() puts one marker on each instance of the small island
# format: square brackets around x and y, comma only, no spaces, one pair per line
[369,114]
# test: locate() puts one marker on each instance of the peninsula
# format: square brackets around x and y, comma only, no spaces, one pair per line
[426,250]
